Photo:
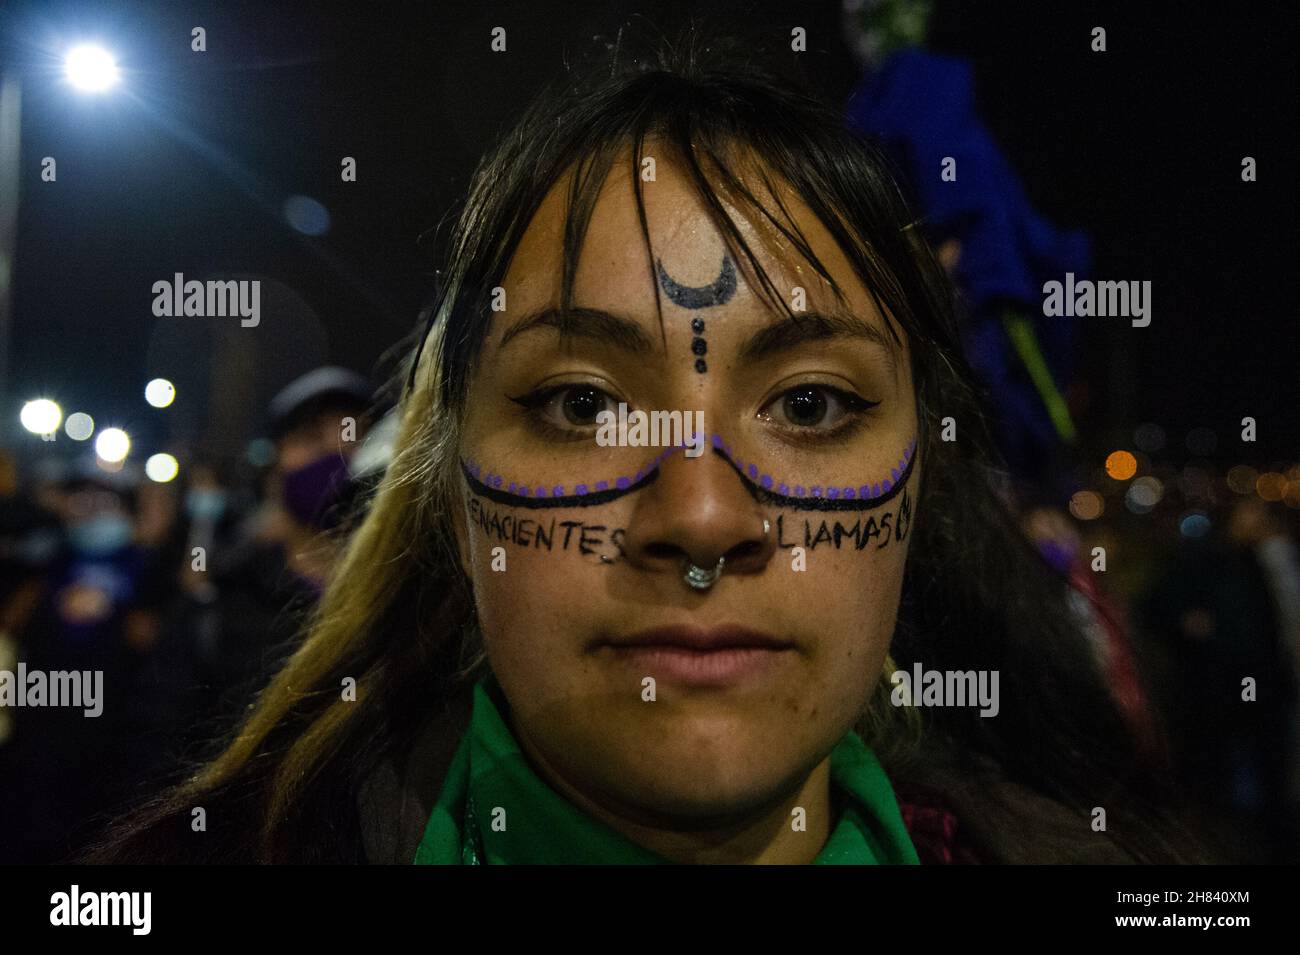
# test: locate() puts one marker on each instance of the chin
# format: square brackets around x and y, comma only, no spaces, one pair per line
[697,773]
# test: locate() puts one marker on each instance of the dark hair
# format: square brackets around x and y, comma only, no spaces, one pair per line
[976,594]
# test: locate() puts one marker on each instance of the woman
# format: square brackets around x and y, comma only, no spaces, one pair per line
[570,646]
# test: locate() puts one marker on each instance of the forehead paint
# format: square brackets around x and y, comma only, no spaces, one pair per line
[718,292]
[762,487]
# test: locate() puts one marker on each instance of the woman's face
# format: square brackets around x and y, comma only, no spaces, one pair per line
[628,686]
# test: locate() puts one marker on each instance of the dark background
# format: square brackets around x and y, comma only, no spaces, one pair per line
[186,167]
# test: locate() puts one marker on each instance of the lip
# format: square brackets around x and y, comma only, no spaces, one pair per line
[702,639]
[697,656]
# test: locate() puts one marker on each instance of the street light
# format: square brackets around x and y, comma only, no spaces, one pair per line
[41,416]
[160,392]
[90,68]
[113,445]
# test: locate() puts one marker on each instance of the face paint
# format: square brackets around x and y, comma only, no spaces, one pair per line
[825,496]
[585,538]
[718,292]
[762,486]
[516,493]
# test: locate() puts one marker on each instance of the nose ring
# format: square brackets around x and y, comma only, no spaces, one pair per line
[701,578]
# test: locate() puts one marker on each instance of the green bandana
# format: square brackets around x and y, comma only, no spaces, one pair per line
[489,771]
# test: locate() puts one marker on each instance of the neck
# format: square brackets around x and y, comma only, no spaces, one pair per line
[762,836]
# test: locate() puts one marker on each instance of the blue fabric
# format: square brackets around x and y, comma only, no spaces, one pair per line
[920,107]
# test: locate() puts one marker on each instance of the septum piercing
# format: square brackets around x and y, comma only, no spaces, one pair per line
[699,577]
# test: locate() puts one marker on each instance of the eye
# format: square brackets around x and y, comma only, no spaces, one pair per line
[567,407]
[818,407]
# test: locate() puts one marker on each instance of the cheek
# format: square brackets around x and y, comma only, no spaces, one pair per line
[536,571]
[844,571]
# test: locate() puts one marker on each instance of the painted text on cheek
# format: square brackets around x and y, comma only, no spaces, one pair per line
[551,535]
[858,534]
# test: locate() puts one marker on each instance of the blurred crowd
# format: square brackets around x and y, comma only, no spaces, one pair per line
[1193,608]
[187,594]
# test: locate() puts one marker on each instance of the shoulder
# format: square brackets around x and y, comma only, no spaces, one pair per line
[394,801]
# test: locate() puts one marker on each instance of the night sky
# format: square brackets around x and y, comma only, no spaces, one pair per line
[187,168]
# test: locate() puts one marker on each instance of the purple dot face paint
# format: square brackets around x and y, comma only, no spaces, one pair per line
[822,497]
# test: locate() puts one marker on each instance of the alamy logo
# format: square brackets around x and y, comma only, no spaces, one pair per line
[660,429]
[103,908]
[924,687]
[1102,299]
[83,688]
[211,299]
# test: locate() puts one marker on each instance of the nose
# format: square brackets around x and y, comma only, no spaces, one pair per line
[698,510]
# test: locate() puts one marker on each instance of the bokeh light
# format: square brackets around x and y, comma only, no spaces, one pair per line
[1292,496]
[1121,465]
[113,445]
[160,392]
[1271,486]
[1242,479]
[161,468]
[1194,525]
[306,215]
[79,426]
[1087,505]
[90,68]
[41,416]
[1143,495]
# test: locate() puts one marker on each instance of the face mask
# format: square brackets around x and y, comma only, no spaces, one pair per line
[312,491]
[99,536]
[207,504]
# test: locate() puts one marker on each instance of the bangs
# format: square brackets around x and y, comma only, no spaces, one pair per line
[721,128]
[715,167]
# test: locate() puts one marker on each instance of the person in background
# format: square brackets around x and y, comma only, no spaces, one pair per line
[1269,553]
[247,601]
[66,767]
[1101,617]
[317,423]
[1220,608]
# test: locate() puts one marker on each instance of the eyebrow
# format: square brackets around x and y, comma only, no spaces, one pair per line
[813,327]
[591,323]
[780,336]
